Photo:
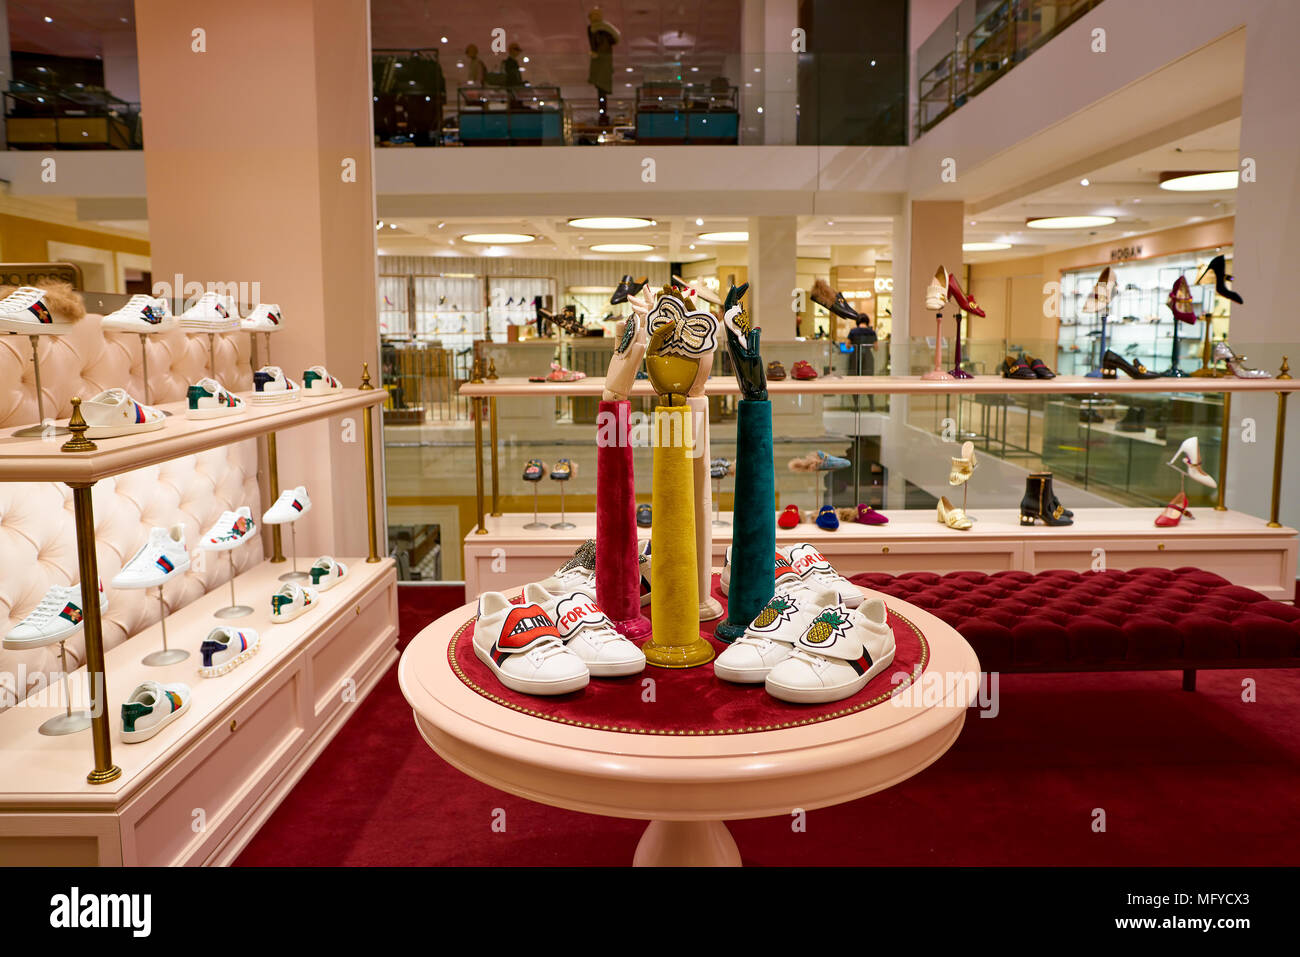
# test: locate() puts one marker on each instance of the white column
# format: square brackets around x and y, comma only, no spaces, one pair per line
[773,247]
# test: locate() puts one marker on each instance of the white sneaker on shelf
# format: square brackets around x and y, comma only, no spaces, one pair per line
[226,648]
[316,382]
[231,530]
[578,573]
[25,311]
[209,399]
[59,614]
[270,384]
[291,600]
[842,649]
[211,313]
[771,636]
[325,572]
[151,707]
[159,559]
[265,317]
[113,412]
[292,504]
[588,633]
[811,566]
[523,648]
[141,314]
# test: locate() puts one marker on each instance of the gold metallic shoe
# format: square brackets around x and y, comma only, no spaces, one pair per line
[964,467]
[952,516]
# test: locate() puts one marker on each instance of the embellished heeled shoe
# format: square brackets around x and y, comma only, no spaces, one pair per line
[1236,364]
[1134,370]
[1180,301]
[964,302]
[963,468]
[1190,453]
[952,516]
[1174,512]
[936,294]
[1041,504]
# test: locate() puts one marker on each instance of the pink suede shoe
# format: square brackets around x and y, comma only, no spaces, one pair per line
[869,516]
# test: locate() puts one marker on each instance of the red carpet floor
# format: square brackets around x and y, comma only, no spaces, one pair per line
[1182,779]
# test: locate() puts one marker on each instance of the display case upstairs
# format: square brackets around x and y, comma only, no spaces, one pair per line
[512,116]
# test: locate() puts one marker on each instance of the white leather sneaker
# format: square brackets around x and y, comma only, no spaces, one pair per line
[160,559]
[231,530]
[226,648]
[151,707]
[59,614]
[578,573]
[840,651]
[271,385]
[264,317]
[291,600]
[325,572]
[811,566]
[209,399]
[523,648]
[316,382]
[292,503]
[25,311]
[114,412]
[783,571]
[770,637]
[140,314]
[588,633]
[211,312]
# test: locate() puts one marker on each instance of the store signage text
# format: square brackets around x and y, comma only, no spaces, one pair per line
[1125,252]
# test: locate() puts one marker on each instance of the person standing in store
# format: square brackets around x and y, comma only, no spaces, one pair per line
[475,69]
[511,75]
[601,35]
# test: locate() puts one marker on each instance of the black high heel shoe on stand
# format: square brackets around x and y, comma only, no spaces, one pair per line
[1040,503]
[1111,361]
[1216,272]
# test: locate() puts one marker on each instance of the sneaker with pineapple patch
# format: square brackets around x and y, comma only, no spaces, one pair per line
[522,646]
[840,651]
[772,634]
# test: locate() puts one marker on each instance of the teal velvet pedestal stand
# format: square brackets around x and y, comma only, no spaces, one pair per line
[753,539]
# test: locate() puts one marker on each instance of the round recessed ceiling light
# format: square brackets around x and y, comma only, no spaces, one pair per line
[1068,222]
[611,222]
[1199,182]
[621,248]
[498,239]
[983,247]
[726,236]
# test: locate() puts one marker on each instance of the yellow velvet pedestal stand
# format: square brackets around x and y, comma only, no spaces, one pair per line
[710,607]
[674,584]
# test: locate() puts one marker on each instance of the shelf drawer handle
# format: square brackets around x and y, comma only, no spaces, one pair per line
[884,549]
[234,724]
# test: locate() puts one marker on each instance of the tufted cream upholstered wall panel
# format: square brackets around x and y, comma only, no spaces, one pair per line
[38,545]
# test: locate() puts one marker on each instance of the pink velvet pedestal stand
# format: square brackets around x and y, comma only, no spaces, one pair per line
[618,579]
[709,606]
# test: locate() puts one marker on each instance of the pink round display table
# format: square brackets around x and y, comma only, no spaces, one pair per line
[687,785]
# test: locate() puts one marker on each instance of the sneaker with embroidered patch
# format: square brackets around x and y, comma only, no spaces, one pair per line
[838,653]
[264,317]
[231,530]
[292,503]
[522,646]
[26,312]
[588,633]
[59,614]
[209,399]
[317,382]
[577,574]
[291,600]
[113,412]
[325,572]
[226,648]
[161,558]
[140,314]
[211,312]
[813,568]
[270,385]
[534,470]
[771,636]
[151,707]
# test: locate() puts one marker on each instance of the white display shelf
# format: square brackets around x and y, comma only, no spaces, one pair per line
[1239,547]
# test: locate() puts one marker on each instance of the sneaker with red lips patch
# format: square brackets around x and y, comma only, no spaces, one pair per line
[25,311]
[522,646]
[59,614]
[588,633]
[813,568]
[838,653]
[231,530]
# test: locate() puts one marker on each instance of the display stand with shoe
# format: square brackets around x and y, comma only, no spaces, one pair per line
[143,316]
[936,297]
[162,558]
[26,311]
[232,529]
[292,505]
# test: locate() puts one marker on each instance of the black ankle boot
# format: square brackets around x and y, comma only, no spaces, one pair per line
[1135,420]
[1040,502]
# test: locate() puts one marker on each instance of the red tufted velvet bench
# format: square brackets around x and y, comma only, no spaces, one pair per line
[1144,619]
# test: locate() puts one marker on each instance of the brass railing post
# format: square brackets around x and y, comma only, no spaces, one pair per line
[367,414]
[1225,432]
[476,410]
[273,479]
[1279,447]
[492,436]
